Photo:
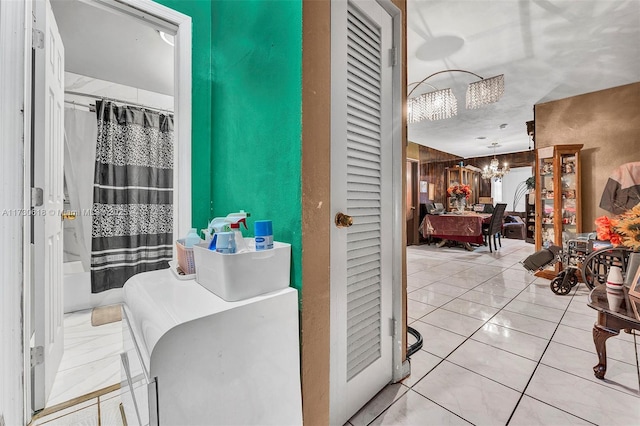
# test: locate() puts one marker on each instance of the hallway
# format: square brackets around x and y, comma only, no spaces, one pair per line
[501,348]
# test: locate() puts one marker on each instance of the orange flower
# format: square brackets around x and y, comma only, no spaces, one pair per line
[623,230]
[603,228]
[459,191]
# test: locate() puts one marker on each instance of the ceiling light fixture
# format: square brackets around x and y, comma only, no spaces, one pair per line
[493,170]
[440,104]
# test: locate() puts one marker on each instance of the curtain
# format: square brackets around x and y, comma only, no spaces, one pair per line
[80,133]
[132,217]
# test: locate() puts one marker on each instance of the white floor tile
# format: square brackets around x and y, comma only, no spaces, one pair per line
[617,348]
[533,310]
[620,375]
[532,412]
[436,340]
[475,398]
[523,344]
[446,289]
[487,299]
[413,409]
[75,416]
[110,414]
[424,295]
[471,309]
[583,398]
[497,289]
[84,379]
[525,324]
[378,404]
[422,362]
[488,361]
[581,321]
[417,309]
[451,321]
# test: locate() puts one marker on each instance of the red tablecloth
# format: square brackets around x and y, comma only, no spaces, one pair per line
[466,227]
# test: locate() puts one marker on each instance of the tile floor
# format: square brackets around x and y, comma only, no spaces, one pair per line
[86,388]
[501,348]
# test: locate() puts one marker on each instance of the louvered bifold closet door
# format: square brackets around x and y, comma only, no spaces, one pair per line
[363,192]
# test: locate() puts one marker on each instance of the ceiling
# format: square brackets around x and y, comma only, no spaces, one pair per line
[546,49]
[113,47]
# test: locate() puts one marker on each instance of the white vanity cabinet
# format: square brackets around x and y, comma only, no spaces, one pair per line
[191,358]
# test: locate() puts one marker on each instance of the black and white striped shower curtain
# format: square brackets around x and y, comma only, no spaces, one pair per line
[132,215]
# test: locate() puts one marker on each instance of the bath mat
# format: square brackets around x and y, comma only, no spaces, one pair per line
[106,314]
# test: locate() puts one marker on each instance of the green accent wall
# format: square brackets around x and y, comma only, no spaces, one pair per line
[256,116]
[247,118]
[200,13]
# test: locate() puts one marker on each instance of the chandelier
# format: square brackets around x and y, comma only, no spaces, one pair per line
[493,170]
[441,104]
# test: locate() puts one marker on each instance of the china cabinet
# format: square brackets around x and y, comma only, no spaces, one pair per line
[463,176]
[530,217]
[558,210]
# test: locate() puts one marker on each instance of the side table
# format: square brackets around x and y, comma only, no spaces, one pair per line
[609,323]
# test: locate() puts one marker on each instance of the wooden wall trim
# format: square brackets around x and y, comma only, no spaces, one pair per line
[316,213]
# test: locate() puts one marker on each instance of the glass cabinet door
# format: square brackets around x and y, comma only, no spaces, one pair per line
[547,201]
[568,182]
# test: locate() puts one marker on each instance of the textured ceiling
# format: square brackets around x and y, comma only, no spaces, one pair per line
[113,47]
[546,49]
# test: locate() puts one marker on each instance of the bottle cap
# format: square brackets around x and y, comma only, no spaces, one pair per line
[263,228]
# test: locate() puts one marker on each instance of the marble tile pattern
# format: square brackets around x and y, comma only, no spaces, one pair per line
[91,359]
[499,348]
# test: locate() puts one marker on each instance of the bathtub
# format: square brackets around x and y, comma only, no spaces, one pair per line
[77,290]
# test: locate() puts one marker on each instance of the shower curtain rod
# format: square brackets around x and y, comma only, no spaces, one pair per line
[106,98]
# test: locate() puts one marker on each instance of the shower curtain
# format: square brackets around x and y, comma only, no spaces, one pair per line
[132,213]
[80,133]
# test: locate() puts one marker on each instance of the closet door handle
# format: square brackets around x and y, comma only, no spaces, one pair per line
[343,220]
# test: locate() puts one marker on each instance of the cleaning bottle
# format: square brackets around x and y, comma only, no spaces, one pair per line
[192,238]
[241,246]
[235,219]
[264,234]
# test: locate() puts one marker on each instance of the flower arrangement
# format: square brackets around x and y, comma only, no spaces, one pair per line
[623,230]
[459,191]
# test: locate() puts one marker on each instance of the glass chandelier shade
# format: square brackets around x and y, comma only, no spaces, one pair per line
[441,104]
[485,91]
[435,105]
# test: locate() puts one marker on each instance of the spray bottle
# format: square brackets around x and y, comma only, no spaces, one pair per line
[229,223]
[235,219]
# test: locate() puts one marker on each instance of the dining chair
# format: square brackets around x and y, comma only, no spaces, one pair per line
[494,228]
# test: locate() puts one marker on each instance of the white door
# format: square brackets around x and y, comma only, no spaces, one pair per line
[48,159]
[361,188]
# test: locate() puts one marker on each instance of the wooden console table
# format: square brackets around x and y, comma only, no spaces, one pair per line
[609,323]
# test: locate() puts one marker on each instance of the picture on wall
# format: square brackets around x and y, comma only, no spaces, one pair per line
[634,289]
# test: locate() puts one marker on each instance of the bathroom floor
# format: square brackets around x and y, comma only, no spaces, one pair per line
[501,348]
[86,388]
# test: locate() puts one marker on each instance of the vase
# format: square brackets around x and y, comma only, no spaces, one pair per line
[459,204]
[615,295]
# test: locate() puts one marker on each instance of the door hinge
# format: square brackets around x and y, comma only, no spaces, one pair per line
[36,197]
[37,39]
[37,355]
[393,56]
[392,324]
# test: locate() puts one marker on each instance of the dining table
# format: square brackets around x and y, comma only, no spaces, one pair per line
[464,227]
